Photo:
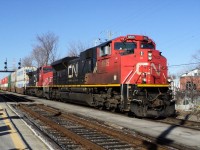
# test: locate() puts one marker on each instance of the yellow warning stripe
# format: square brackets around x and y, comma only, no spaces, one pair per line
[13,133]
[99,85]
[153,85]
[80,85]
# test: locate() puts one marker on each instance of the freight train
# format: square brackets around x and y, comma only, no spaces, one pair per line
[124,74]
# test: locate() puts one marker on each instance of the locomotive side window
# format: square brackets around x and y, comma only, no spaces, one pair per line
[105,50]
[125,46]
[147,46]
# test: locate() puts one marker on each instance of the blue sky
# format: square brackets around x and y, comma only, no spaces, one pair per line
[173,25]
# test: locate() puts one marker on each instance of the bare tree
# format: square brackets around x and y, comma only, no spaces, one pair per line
[74,48]
[38,55]
[45,51]
[197,57]
[27,61]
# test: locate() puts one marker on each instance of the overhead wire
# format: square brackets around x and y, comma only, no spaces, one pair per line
[184,64]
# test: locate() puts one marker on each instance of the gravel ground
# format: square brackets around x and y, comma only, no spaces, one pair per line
[193,115]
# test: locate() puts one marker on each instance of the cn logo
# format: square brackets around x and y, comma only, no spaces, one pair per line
[157,70]
[73,70]
[148,71]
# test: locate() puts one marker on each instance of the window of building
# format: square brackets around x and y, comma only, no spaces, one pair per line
[190,86]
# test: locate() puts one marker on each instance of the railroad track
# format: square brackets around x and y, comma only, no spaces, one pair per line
[108,139]
[170,120]
[70,131]
[14,98]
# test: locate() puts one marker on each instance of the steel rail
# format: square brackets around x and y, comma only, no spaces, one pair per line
[78,139]
[130,139]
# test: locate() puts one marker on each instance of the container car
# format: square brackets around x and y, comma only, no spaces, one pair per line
[22,79]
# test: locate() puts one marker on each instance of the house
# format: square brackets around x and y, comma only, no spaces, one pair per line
[190,80]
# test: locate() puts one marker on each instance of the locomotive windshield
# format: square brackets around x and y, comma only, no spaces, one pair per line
[125,46]
[45,70]
[146,45]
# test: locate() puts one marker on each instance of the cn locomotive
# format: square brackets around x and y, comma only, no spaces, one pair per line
[126,74]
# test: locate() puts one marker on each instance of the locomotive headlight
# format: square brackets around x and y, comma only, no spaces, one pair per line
[144,80]
[169,80]
[149,55]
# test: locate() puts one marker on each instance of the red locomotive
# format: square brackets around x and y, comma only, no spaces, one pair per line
[39,81]
[4,84]
[126,74]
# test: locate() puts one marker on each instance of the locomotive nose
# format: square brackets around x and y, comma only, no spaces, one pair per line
[153,74]
[150,71]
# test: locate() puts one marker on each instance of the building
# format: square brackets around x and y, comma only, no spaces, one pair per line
[190,80]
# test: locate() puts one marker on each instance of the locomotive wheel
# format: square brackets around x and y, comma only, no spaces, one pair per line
[112,109]
[137,110]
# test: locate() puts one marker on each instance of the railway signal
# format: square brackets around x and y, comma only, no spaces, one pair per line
[19,63]
[6,67]
[5,63]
